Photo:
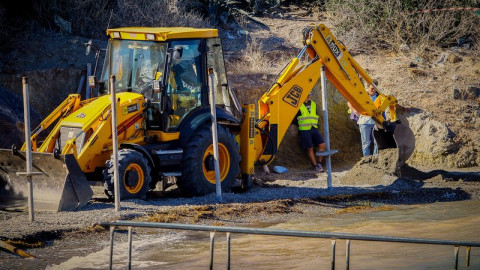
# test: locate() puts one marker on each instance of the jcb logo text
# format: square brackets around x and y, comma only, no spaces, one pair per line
[293,96]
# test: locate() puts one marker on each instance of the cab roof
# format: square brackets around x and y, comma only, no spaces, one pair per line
[161,33]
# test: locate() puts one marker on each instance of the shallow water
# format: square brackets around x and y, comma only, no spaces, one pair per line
[190,250]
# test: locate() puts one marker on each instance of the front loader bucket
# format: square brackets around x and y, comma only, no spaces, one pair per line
[62,186]
[401,137]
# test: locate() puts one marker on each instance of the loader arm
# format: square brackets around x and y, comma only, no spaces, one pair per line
[261,136]
[70,104]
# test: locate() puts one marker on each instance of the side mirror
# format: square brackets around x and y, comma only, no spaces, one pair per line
[177,52]
[89,47]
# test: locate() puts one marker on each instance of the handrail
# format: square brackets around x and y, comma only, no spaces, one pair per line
[293,233]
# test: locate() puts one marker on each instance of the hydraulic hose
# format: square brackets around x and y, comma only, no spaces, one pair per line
[269,140]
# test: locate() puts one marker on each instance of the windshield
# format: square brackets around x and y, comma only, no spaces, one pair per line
[135,64]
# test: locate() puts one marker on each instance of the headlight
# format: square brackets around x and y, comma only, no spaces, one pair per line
[116,34]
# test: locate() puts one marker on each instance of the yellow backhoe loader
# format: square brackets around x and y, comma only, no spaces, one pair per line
[164,118]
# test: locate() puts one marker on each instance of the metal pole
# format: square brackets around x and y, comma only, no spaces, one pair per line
[467,256]
[347,255]
[112,230]
[28,144]
[212,243]
[129,248]
[116,181]
[325,126]
[218,184]
[455,257]
[334,242]
[228,250]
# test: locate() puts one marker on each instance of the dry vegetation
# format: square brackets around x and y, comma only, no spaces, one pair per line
[395,24]
[221,213]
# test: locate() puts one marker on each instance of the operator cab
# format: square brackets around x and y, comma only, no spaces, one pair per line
[168,66]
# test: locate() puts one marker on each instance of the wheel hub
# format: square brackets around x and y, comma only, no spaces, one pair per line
[133,178]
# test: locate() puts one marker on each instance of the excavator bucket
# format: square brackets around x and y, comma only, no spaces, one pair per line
[61,186]
[401,137]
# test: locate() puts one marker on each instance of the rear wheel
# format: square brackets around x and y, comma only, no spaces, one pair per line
[198,173]
[134,175]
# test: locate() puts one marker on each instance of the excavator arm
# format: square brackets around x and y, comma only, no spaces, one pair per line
[261,135]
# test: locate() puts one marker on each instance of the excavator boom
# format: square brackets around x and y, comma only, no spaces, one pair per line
[279,105]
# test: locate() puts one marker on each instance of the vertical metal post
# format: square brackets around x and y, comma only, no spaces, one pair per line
[325,126]
[334,242]
[212,243]
[129,247]
[112,230]
[88,90]
[28,145]
[228,250]
[455,257]
[347,255]
[467,256]
[116,181]
[211,95]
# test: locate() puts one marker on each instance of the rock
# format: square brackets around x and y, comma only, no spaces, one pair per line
[456,93]
[11,119]
[473,92]
[64,25]
[404,48]
[417,72]
[433,138]
[453,58]
[467,157]
[412,65]
[230,36]
[442,58]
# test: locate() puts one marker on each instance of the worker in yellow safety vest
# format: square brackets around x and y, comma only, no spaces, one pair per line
[308,132]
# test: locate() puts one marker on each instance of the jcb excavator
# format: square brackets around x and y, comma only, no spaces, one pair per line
[164,118]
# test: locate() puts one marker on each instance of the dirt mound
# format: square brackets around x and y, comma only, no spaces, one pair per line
[372,170]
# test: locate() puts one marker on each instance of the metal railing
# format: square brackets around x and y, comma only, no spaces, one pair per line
[294,233]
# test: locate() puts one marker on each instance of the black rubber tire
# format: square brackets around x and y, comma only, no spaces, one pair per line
[193,181]
[131,165]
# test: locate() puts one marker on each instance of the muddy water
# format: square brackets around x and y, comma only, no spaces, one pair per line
[190,250]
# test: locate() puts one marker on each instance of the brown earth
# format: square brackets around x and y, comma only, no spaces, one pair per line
[440,85]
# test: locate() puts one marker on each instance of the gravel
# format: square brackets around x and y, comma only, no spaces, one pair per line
[364,178]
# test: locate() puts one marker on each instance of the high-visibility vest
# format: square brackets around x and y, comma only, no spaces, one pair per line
[307,119]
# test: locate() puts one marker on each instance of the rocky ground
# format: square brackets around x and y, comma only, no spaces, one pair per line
[275,198]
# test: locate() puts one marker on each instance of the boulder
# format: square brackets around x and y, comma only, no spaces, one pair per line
[12,119]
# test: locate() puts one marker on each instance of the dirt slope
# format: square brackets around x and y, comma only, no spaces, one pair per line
[441,84]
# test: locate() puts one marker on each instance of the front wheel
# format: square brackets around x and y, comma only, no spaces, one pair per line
[198,173]
[134,175]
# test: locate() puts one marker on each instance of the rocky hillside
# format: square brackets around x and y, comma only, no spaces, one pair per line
[439,84]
